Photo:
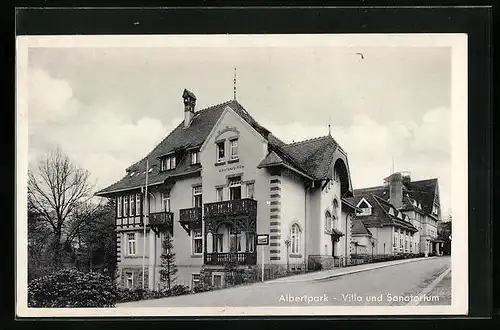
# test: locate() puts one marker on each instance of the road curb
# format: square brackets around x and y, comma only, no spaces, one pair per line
[353,271]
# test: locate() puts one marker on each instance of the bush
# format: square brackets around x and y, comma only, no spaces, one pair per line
[71,288]
[178,290]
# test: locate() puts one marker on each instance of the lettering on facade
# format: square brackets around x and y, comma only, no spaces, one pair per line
[231,168]
[227,129]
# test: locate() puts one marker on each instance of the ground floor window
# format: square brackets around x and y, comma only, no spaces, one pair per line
[197,241]
[217,281]
[250,240]
[129,280]
[195,281]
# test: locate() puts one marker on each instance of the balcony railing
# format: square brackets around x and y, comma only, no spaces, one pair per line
[242,258]
[191,215]
[231,208]
[158,219]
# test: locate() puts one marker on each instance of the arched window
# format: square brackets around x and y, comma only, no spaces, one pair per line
[295,238]
[328,221]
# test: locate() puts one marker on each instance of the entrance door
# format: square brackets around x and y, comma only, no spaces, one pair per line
[217,281]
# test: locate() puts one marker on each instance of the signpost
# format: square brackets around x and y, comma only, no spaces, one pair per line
[263,239]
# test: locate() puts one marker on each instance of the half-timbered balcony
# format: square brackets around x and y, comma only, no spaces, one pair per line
[241,258]
[161,222]
[190,218]
[233,207]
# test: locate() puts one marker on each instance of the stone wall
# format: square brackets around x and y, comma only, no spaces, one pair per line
[317,262]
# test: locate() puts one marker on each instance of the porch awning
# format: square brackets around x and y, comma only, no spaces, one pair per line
[436,240]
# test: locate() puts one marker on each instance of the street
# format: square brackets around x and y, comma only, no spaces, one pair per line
[399,285]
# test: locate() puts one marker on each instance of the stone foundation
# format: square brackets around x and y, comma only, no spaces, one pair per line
[317,262]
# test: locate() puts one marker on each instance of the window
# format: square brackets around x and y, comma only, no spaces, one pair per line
[131,244]
[217,281]
[217,243]
[250,190]
[434,210]
[221,151]
[167,163]
[250,242]
[119,205]
[235,188]
[235,241]
[233,149]
[295,238]
[219,194]
[137,204]
[129,280]
[195,157]
[195,281]
[197,241]
[125,206]
[132,204]
[165,202]
[328,221]
[197,194]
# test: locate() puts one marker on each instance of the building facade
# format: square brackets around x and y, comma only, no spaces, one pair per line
[217,181]
[401,216]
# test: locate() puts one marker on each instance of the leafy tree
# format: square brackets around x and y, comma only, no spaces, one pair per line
[168,267]
[96,242]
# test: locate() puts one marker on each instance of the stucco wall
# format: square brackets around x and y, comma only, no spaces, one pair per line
[293,201]
[384,235]
[252,148]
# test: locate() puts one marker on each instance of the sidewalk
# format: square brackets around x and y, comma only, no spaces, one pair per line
[326,274]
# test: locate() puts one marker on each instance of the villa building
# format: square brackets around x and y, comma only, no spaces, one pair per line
[217,181]
[399,217]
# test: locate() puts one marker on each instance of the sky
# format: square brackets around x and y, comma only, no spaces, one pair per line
[107,107]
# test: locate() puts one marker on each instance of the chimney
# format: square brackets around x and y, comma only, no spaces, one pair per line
[396,190]
[189,104]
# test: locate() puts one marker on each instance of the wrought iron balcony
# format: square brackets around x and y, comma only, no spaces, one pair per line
[190,218]
[241,258]
[161,221]
[233,207]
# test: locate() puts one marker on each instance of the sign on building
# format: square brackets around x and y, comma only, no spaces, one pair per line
[263,239]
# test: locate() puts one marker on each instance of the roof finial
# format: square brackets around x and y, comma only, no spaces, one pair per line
[234,85]
[329,126]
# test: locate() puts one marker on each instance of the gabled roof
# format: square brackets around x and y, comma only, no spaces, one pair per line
[312,157]
[377,197]
[178,141]
[358,228]
[423,191]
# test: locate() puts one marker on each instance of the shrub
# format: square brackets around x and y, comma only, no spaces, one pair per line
[178,290]
[71,288]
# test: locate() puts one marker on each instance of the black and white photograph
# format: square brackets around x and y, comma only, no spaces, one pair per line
[242,175]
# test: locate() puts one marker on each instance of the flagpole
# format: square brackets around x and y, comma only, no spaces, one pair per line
[144,225]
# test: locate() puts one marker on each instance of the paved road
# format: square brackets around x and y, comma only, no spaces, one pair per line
[379,287]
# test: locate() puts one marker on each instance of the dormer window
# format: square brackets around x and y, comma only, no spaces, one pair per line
[365,208]
[221,151]
[434,210]
[167,163]
[195,157]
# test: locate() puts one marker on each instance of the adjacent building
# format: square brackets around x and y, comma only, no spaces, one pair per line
[400,216]
[217,181]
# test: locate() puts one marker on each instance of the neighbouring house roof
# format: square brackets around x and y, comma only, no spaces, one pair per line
[380,216]
[358,228]
[311,158]
[424,192]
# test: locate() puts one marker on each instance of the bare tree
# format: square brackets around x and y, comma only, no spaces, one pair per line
[60,193]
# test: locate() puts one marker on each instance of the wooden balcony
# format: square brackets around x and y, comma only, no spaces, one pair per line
[161,221]
[236,207]
[242,258]
[190,218]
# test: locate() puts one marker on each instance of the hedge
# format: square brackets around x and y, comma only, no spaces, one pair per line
[71,288]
